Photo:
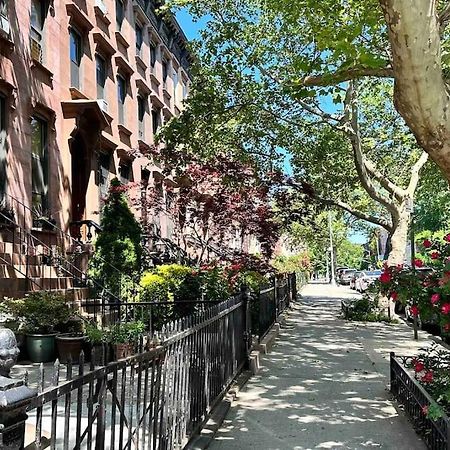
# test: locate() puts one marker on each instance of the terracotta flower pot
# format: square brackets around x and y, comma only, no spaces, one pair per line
[69,347]
[122,351]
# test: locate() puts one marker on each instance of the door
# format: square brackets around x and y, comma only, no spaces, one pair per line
[80,178]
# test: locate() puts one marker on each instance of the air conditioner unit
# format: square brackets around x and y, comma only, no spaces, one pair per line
[4,25]
[36,50]
[103,104]
[101,5]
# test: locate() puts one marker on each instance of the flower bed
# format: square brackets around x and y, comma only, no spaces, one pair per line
[427,417]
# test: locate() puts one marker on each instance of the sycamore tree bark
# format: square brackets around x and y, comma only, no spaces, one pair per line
[421,95]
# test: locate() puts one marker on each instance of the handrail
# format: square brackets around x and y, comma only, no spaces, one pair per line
[82,275]
[74,242]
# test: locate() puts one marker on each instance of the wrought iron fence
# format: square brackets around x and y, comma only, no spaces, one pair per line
[409,393]
[157,399]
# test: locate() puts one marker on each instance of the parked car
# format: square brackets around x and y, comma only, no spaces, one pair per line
[366,279]
[339,271]
[346,276]
[354,277]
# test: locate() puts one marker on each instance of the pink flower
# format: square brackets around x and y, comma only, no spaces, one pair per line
[414,310]
[385,277]
[447,238]
[435,255]
[427,243]
[428,377]
[419,366]
[418,263]
[445,308]
[425,409]
[435,299]
[447,327]
[394,296]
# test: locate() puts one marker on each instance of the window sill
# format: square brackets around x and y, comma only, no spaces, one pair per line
[79,17]
[76,94]
[167,93]
[35,64]
[141,63]
[102,15]
[124,130]
[154,79]
[120,38]
[124,65]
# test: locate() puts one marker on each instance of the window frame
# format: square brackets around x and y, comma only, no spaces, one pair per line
[139,42]
[100,87]
[121,101]
[3,121]
[43,161]
[75,65]
[141,104]
[156,119]
[120,18]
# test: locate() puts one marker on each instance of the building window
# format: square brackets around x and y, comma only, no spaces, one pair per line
[175,85]
[121,96]
[141,116]
[156,119]
[39,164]
[139,39]
[76,50]
[37,29]
[152,55]
[104,161]
[120,14]
[165,72]
[124,172]
[3,8]
[4,22]
[185,90]
[2,147]
[100,65]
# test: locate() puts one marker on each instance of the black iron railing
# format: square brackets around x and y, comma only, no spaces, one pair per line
[156,399]
[409,393]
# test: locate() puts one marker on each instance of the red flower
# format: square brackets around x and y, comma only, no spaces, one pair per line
[385,277]
[447,327]
[236,267]
[447,238]
[435,299]
[445,308]
[425,409]
[427,243]
[419,366]
[428,377]
[394,296]
[418,263]
[414,310]
[435,255]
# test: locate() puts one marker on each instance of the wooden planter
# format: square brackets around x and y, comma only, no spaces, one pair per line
[411,394]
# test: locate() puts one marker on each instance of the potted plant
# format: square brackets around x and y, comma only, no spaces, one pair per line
[70,341]
[124,338]
[99,345]
[39,313]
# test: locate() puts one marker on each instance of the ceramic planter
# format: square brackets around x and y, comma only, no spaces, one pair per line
[69,347]
[41,347]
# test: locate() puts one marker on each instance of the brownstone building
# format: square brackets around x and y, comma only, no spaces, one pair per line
[84,86]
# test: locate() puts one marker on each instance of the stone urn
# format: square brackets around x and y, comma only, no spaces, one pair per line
[8,351]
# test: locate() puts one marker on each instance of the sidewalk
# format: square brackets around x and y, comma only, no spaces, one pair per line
[324,386]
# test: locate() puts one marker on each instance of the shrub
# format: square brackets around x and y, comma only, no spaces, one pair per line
[119,244]
[41,312]
[124,333]
[365,309]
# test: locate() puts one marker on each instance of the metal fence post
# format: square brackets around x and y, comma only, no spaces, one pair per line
[247,327]
[276,299]
[15,396]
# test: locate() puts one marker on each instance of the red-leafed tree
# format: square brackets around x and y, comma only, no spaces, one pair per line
[215,206]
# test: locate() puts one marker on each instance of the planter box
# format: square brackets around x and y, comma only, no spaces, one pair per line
[411,394]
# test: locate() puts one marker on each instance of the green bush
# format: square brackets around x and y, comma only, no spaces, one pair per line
[118,245]
[124,333]
[41,312]
[365,309]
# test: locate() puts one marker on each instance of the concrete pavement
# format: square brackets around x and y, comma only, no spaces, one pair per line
[324,386]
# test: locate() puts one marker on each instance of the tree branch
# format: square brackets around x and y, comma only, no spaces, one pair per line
[360,165]
[308,190]
[415,173]
[346,75]
[391,187]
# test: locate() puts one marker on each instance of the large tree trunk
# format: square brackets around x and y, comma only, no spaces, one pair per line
[399,237]
[420,94]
